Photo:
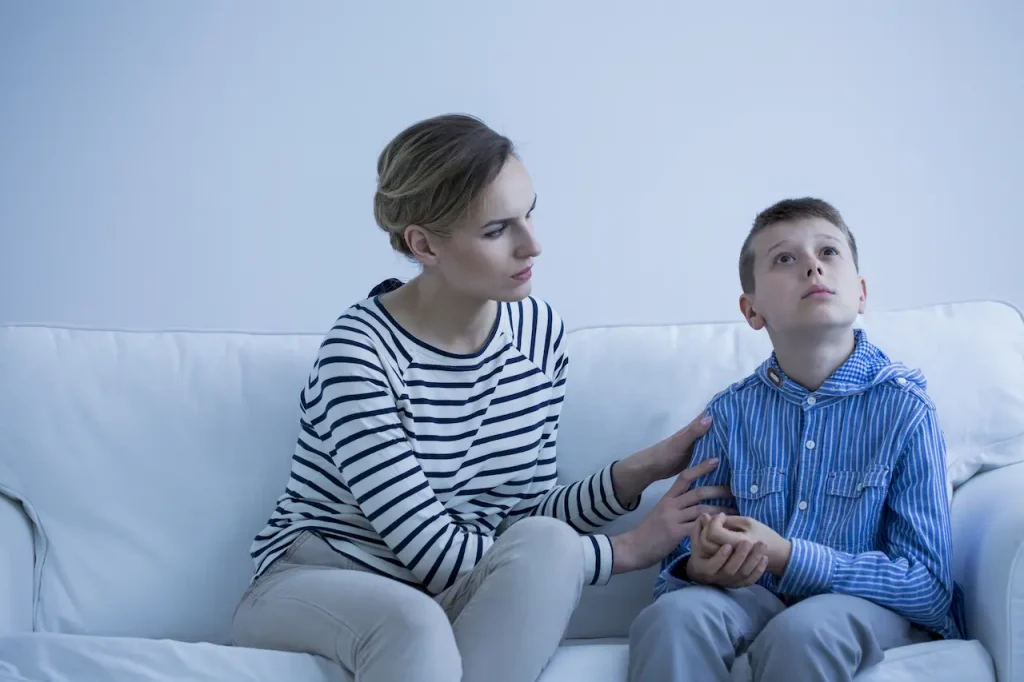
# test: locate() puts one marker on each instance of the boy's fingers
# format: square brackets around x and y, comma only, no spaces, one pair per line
[718,559]
[737,560]
[752,562]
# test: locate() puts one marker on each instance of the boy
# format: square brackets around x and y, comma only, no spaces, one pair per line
[837,464]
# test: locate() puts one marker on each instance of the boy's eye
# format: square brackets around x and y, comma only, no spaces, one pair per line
[783,258]
[830,251]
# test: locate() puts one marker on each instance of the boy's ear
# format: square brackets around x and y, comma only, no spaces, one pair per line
[753,318]
[863,297]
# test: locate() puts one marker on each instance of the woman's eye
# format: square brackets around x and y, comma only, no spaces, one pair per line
[496,233]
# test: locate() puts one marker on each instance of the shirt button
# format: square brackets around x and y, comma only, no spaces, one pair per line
[811,400]
[802,506]
[810,444]
[901,381]
[860,486]
[753,488]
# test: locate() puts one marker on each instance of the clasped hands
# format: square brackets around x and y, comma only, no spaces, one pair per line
[734,551]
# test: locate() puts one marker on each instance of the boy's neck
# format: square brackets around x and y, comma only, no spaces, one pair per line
[810,357]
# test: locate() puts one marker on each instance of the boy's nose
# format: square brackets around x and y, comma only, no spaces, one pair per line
[815,270]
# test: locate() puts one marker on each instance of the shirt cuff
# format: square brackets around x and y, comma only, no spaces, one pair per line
[810,569]
[597,559]
[610,498]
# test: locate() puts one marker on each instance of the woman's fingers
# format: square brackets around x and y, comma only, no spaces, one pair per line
[705,492]
[687,477]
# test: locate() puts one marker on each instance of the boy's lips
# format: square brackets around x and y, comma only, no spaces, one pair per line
[818,290]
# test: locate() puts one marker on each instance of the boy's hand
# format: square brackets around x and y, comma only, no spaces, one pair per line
[721,565]
[732,530]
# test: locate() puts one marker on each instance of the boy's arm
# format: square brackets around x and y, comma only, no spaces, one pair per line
[914,575]
[708,446]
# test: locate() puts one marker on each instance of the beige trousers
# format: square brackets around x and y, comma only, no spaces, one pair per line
[501,622]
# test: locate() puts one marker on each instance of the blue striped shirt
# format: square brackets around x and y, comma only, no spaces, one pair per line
[411,460]
[853,474]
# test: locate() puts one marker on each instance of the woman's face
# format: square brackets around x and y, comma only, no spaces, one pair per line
[491,251]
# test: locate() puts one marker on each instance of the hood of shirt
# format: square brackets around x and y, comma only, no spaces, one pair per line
[866,368]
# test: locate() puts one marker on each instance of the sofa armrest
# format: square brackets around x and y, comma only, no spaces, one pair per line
[17,568]
[988,541]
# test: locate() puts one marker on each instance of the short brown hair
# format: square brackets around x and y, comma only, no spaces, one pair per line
[784,211]
[431,172]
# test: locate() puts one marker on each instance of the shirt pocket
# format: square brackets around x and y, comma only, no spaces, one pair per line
[760,494]
[854,503]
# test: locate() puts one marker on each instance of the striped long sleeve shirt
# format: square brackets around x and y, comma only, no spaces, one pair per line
[853,474]
[411,460]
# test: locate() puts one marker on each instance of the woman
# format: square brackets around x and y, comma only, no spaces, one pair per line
[422,521]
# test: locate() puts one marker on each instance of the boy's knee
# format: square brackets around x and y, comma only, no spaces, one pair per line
[675,616]
[828,639]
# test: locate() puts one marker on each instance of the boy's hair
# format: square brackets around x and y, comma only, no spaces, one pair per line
[784,211]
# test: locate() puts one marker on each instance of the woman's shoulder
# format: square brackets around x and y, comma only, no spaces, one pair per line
[536,328]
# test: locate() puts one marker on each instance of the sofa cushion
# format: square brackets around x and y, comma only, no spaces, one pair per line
[74,658]
[80,658]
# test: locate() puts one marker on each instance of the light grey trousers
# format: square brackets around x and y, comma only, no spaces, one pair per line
[501,622]
[708,634]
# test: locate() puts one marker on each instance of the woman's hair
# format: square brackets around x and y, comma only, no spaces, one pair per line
[431,172]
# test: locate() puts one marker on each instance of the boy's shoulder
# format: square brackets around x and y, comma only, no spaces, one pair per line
[733,395]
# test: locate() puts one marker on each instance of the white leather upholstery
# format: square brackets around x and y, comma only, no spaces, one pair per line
[988,541]
[149,460]
[16,568]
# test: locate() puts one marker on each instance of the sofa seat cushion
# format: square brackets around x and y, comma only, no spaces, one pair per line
[83,658]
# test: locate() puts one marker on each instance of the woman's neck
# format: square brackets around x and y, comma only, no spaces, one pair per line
[811,358]
[429,310]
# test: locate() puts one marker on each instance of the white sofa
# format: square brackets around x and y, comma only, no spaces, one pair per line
[136,466]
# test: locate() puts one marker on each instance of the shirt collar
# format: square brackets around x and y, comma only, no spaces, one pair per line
[858,372]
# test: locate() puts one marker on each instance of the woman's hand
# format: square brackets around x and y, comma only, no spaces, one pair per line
[670,456]
[664,459]
[673,518]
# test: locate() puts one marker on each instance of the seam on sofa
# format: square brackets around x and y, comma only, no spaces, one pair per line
[881,311]
[1017,564]
[40,544]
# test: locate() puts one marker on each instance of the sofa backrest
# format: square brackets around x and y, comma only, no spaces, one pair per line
[149,460]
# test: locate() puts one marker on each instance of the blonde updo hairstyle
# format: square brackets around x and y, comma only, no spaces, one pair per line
[431,173]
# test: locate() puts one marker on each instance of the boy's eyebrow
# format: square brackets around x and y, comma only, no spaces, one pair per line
[502,221]
[826,235]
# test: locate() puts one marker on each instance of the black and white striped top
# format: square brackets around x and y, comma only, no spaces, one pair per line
[411,459]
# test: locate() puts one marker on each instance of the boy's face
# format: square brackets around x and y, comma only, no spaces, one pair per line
[804,278]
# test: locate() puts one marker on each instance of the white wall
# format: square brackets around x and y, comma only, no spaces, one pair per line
[210,164]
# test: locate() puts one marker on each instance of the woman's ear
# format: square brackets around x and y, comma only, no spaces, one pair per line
[420,244]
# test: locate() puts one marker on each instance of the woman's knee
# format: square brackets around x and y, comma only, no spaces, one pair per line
[549,544]
[362,621]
